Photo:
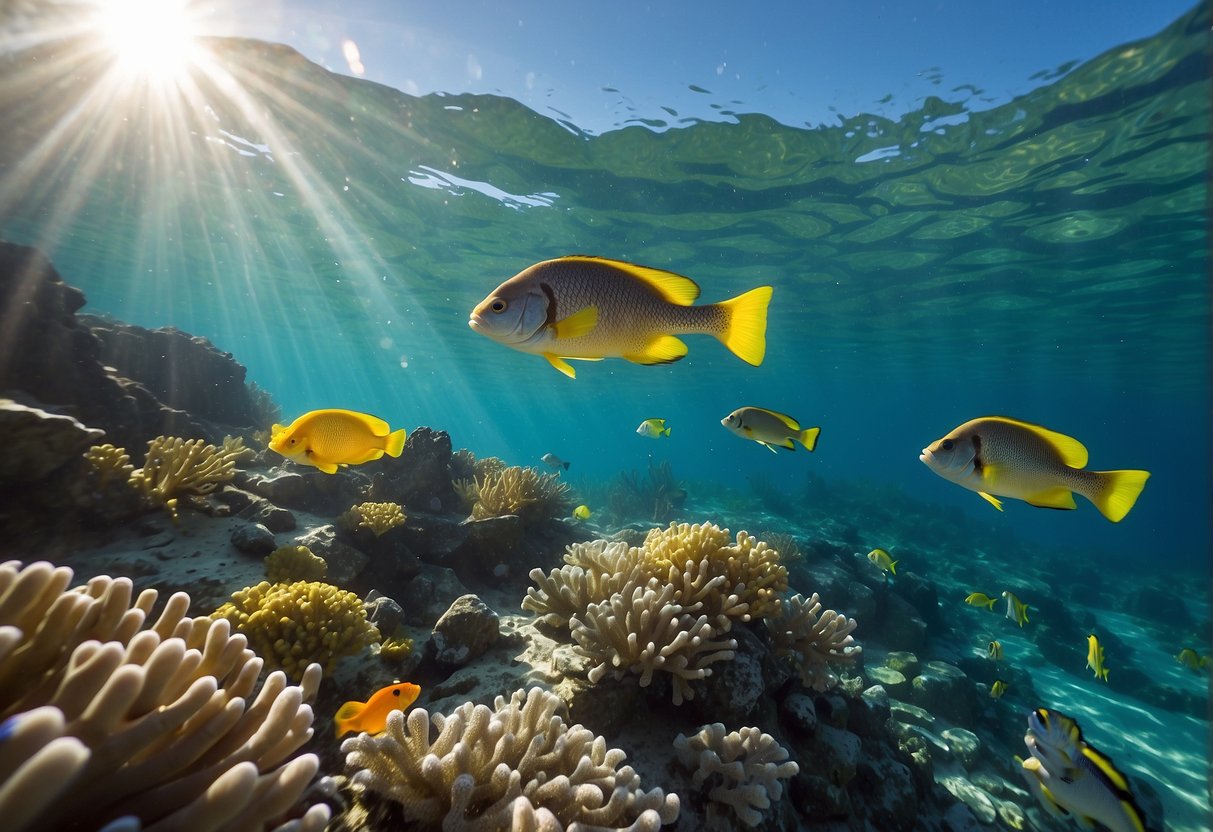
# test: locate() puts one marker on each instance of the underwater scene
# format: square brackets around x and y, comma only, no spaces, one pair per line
[389,455]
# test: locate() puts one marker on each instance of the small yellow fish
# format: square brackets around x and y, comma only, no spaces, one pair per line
[994,650]
[1017,610]
[590,308]
[1095,658]
[582,512]
[770,428]
[328,438]
[653,428]
[980,599]
[881,558]
[995,455]
[1192,660]
[371,716]
[998,689]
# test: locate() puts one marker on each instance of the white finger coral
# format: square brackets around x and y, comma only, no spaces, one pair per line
[744,771]
[642,630]
[109,715]
[514,766]
[814,640]
[595,571]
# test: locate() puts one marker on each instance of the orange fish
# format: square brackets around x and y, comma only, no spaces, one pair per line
[371,716]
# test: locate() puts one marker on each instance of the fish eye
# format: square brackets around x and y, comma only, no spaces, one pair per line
[948,444]
[498,305]
[395,691]
[292,441]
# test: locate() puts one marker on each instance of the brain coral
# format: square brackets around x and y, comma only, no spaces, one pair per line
[111,715]
[292,625]
[514,766]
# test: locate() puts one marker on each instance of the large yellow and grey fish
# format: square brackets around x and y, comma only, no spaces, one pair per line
[995,455]
[770,428]
[590,308]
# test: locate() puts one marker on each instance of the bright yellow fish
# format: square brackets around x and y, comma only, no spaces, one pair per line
[653,429]
[770,428]
[883,560]
[582,512]
[1017,610]
[980,599]
[994,651]
[1095,658]
[995,455]
[1192,660]
[371,716]
[998,689]
[590,308]
[328,438]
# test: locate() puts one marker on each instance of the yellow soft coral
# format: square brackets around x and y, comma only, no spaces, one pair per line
[109,463]
[294,563]
[377,517]
[518,490]
[292,625]
[176,466]
[395,648]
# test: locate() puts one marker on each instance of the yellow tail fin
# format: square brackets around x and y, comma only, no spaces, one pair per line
[746,332]
[808,437]
[395,442]
[1115,492]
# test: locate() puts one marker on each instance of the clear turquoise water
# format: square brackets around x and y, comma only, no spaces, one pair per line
[1045,259]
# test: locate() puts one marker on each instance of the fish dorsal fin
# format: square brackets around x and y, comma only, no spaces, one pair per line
[576,325]
[673,287]
[1073,452]
[788,421]
[1105,770]
[374,424]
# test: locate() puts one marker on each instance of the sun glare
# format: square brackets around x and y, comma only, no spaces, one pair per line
[152,39]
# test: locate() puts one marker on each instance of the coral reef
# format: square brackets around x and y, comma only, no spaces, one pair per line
[294,563]
[813,640]
[150,721]
[294,625]
[374,517]
[517,765]
[395,649]
[516,490]
[174,467]
[596,570]
[744,770]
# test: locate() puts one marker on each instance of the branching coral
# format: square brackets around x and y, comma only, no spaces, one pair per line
[293,625]
[744,769]
[110,464]
[294,563]
[646,630]
[514,766]
[395,649]
[110,715]
[595,572]
[814,640]
[176,466]
[521,491]
[377,517]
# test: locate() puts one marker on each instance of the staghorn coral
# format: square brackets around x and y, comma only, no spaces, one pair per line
[293,625]
[521,491]
[175,466]
[294,563]
[154,722]
[514,766]
[647,630]
[376,517]
[744,769]
[814,640]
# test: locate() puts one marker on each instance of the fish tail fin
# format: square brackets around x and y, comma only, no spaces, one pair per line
[745,331]
[990,606]
[808,437]
[566,466]
[893,566]
[1115,492]
[395,442]
[665,432]
[346,715]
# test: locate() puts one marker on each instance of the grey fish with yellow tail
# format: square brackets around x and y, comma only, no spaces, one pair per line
[590,308]
[770,428]
[1001,457]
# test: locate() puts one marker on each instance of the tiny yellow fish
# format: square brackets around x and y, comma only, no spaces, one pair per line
[1192,660]
[881,558]
[328,438]
[653,428]
[770,428]
[582,512]
[980,599]
[995,455]
[1095,658]
[590,308]
[1017,610]
[371,716]
[998,689]
[994,650]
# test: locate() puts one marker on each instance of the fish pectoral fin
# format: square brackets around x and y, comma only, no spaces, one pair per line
[1061,498]
[664,349]
[560,364]
[991,499]
[578,324]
